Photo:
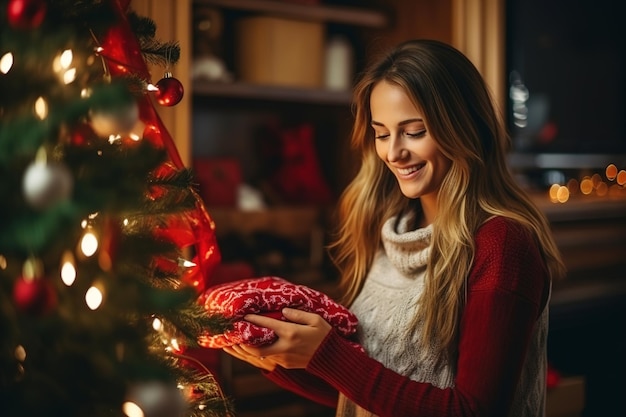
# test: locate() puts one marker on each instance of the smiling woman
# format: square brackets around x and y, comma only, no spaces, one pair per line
[444,260]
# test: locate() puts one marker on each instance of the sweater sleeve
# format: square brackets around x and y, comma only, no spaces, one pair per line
[506,290]
[305,384]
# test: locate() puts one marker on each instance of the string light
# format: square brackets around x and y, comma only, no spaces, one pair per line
[94,297]
[68,269]
[41,108]
[89,243]
[157,324]
[185,263]
[132,410]
[591,185]
[6,63]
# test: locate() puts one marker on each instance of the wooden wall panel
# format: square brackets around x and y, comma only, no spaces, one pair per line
[478,30]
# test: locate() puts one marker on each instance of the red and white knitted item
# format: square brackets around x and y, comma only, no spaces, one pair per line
[267,296]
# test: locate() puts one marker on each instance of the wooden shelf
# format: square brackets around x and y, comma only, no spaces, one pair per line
[283,221]
[240,90]
[335,14]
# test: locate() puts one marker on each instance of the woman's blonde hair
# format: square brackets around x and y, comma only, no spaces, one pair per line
[460,115]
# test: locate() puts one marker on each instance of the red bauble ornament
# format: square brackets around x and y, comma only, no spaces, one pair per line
[169,91]
[82,134]
[33,296]
[26,14]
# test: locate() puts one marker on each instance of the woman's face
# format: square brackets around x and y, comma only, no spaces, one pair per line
[404,143]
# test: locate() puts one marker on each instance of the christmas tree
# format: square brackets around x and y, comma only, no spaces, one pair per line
[104,242]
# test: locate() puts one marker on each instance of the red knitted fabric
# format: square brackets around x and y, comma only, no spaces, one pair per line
[267,296]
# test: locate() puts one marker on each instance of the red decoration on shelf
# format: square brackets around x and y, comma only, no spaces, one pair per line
[26,14]
[553,377]
[33,295]
[169,91]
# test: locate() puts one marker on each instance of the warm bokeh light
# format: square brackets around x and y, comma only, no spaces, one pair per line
[621,177]
[94,298]
[562,194]
[157,324]
[68,269]
[611,172]
[559,193]
[66,58]
[6,62]
[586,186]
[3,262]
[41,108]
[602,189]
[132,410]
[174,346]
[554,188]
[89,243]
[20,353]
[69,76]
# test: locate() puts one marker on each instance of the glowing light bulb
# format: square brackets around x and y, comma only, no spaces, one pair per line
[68,270]
[69,76]
[66,58]
[41,108]
[6,62]
[174,346]
[185,263]
[132,410]
[157,324]
[93,298]
[89,244]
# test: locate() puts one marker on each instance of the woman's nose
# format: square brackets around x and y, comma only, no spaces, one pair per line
[396,150]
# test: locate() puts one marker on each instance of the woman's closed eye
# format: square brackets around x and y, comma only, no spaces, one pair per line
[416,134]
[410,134]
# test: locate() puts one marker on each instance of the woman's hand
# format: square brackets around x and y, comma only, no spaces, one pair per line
[298,339]
[260,362]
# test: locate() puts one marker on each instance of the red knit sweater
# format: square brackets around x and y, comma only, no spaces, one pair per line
[508,288]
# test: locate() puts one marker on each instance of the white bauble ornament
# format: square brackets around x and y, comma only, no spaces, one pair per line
[156,399]
[117,121]
[45,184]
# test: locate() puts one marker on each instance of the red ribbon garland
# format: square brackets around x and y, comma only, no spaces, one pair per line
[194,229]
